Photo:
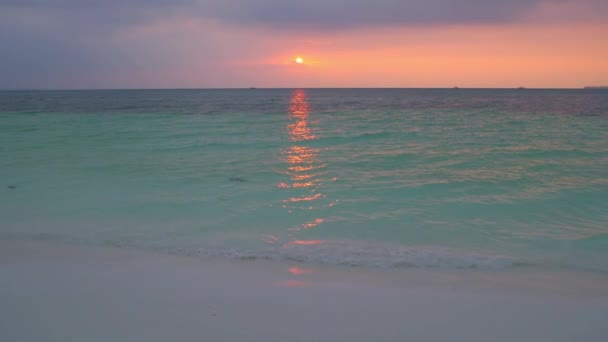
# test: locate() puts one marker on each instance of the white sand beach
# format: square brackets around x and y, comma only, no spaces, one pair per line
[53,292]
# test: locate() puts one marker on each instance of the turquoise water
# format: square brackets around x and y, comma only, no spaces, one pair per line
[438,178]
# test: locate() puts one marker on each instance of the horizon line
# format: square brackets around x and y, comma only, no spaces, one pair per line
[286,88]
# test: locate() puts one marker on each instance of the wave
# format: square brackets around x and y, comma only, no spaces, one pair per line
[364,254]
[322,252]
[359,254]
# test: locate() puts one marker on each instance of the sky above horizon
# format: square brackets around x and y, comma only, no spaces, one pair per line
[343,43]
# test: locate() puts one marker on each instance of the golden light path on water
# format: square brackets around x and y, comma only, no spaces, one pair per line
[303,166]
[303,169]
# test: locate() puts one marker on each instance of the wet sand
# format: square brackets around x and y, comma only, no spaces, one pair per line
[54,292]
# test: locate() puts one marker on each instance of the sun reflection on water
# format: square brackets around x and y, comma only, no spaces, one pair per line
[303,166]
[304,170]
[302,185]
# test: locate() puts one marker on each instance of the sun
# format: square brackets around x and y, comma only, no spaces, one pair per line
[299,60]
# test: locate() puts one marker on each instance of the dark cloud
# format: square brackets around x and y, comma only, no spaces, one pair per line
[323,14]
[281,12]
[357,13]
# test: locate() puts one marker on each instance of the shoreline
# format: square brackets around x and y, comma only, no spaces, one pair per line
[57,292]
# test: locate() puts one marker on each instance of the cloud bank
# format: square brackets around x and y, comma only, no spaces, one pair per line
[322,14]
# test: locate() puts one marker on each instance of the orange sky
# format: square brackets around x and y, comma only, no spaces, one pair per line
[545,43]
[531,55]
[466,56]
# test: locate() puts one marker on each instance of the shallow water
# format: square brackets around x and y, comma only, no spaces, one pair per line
[439,178]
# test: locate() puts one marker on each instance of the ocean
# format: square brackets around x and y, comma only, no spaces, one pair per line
[493,179]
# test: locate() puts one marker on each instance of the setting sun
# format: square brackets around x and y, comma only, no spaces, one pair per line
[299,60]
